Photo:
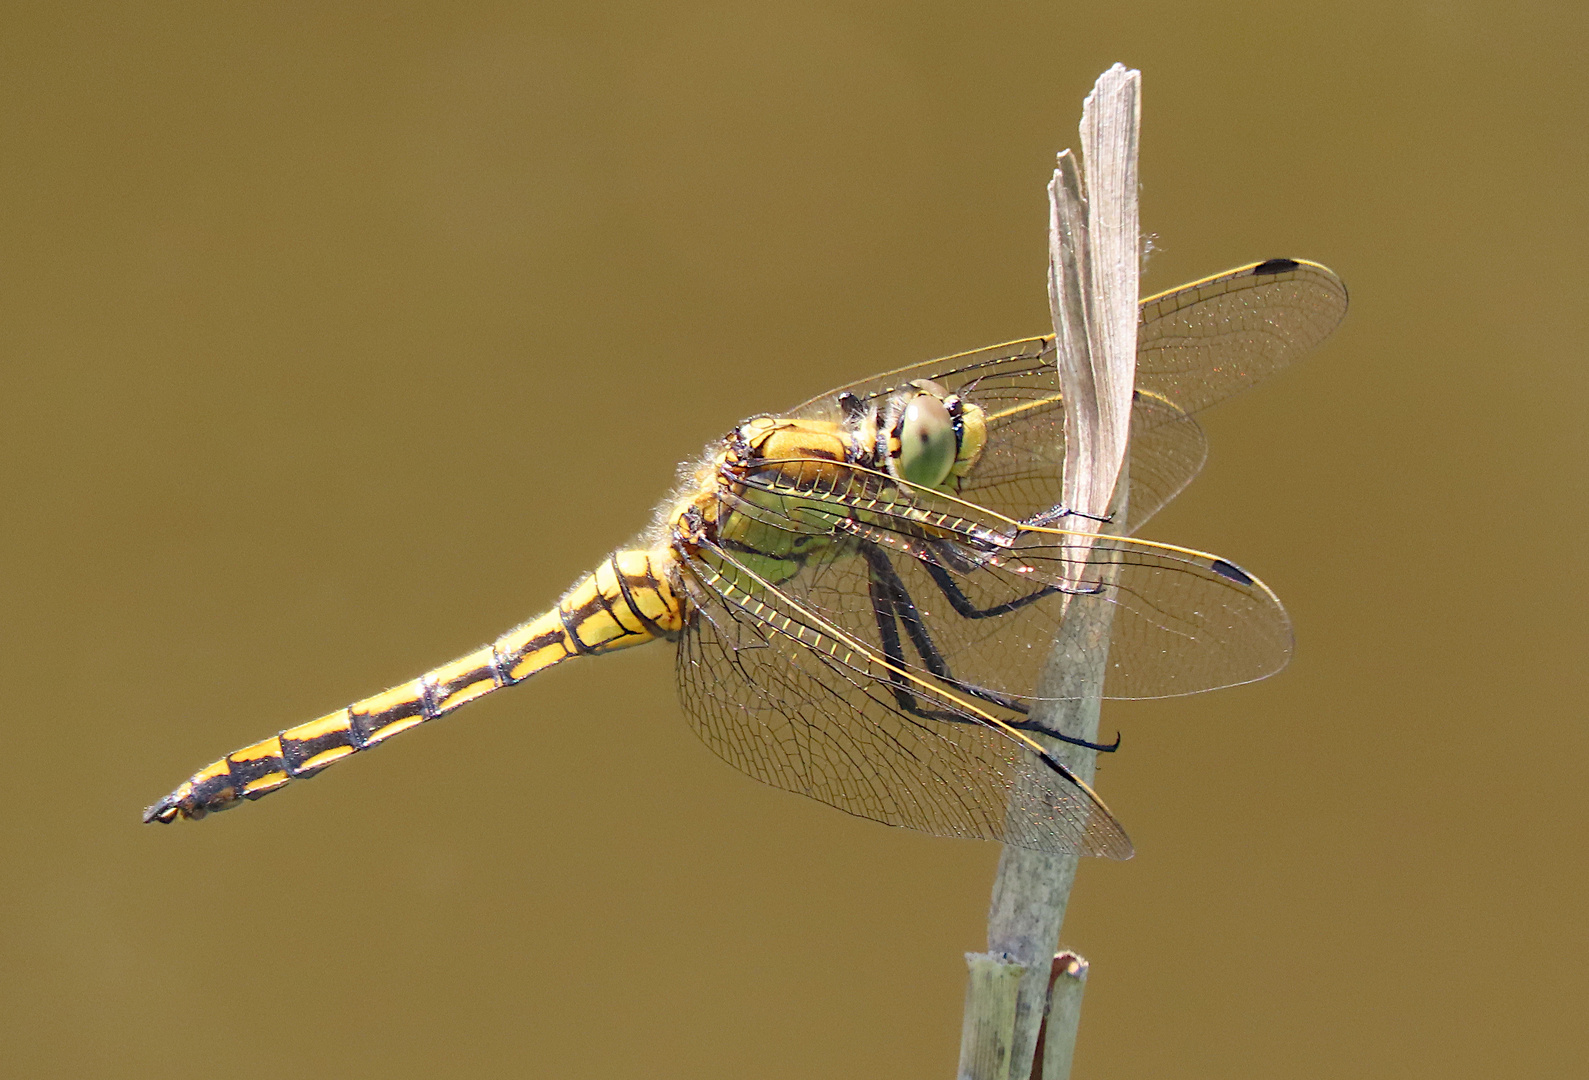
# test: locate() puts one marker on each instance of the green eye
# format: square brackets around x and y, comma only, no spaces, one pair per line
[927,445]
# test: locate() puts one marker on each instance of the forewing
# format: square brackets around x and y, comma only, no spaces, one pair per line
[782,694]
[989,598]
[1196,346]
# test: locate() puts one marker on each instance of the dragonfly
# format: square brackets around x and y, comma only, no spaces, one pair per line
[863,590]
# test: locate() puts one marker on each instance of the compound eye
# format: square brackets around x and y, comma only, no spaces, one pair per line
[927,443]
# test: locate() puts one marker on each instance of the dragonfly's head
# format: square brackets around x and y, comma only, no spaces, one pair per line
[931,437]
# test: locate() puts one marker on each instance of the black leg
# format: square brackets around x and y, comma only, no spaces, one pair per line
[962,604]
[888,634]
[885,580]
[890,602]
[1060,513]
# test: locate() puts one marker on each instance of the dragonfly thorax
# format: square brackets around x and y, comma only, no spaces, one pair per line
[780,491]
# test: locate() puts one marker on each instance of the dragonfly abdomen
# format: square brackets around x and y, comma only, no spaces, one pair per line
[627,601]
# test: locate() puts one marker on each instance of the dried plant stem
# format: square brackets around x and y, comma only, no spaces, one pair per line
[1093,264]
[1032,888]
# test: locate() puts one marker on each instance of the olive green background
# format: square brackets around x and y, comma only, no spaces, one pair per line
[336,340]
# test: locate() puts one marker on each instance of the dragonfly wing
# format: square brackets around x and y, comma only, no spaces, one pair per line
[1196,346]
[784,695]
[977,600]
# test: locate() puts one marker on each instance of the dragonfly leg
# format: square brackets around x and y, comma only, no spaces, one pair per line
[1060,513]
[962,603]
[887,586]
[892,604]
[888,636]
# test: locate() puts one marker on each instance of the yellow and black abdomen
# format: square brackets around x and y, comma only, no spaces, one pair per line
[629,600]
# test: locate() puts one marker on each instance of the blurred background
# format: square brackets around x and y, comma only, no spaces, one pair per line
[335,341]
